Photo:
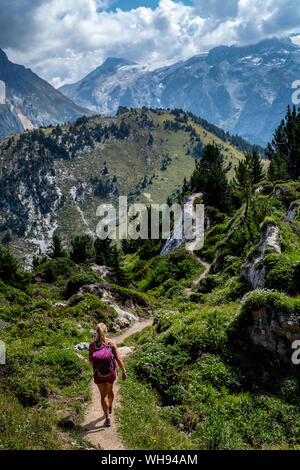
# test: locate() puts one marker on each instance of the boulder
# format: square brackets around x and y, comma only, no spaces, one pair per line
[125,351]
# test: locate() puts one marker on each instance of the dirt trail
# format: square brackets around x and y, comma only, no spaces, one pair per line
[207,266]
[94,430]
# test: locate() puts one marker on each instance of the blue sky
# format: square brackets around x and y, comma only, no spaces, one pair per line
[63,40]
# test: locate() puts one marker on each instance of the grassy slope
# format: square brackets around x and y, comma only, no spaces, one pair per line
[191,365]
[45,384]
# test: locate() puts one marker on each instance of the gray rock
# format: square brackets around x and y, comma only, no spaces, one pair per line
[275,332]
[82,347]
[252,271]
[102,271]
[177,236]
[293,211]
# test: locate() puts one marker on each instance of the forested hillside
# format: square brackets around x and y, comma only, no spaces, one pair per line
[55,178]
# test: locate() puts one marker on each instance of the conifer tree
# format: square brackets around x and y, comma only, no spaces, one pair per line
[102,251]
[210,178]
[243,181]
[284,151]
[56,249]
[118,274]
[257,169]
[82,249]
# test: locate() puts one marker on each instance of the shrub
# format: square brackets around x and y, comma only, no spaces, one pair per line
[29,388]
[65,366]
[88,304]
[51,269]
[213,370]
[78,281]
[176,266]
[282,274]
[10,271]
[210,282]
[14,295]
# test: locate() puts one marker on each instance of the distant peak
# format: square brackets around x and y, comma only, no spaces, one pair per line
[115,61]
[110,65]
[266,45]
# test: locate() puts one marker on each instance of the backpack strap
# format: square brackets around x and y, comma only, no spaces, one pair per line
[108,345]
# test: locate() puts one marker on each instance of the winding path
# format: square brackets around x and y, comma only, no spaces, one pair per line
[94,430]
[207,267]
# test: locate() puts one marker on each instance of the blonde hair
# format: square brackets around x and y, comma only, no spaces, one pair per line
[101,332]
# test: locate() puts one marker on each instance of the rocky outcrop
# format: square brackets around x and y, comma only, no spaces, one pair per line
[178,235]
[275,332]
[102,271]
[293,211]
[128,304]
[253,271]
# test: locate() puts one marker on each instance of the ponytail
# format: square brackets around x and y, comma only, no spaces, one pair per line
[101,332]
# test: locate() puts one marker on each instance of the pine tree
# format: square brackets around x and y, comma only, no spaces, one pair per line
[56,249]
[243,181]
[118,275]
[82,249]
[210,178]
[257,169]
[102,251]
[248,173]
[284,151]
[185,186]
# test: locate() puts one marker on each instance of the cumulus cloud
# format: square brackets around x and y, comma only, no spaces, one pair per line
[216,8]
[63,41]
[17,22]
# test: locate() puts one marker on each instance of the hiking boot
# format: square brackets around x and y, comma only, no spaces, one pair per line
[107,423]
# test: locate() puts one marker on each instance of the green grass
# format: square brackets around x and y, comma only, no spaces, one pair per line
[44,379]
[190,387]
[140,420]
[25,428]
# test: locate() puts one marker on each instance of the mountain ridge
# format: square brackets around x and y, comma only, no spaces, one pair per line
[30,101]
[242,89]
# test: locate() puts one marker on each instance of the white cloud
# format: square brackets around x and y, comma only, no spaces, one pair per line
[66,40]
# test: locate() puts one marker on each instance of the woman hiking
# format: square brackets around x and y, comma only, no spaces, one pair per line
[104,357]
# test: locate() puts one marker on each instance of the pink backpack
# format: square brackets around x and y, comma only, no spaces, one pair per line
[103,361]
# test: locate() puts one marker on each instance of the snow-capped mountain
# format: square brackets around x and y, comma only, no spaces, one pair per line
[244,90]
[27,101]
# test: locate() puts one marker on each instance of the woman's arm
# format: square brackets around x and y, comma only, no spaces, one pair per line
[91,350]
[120,362]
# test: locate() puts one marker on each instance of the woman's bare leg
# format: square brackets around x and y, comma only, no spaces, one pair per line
[110,393]
[104,398]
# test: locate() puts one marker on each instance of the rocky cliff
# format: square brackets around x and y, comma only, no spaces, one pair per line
[29,102]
